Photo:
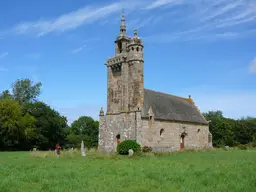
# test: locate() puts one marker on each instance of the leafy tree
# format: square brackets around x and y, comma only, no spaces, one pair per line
[49,124]
[87,129]
[30,133]
[221,129]
[213,115]
[245,130]
[24,90]
[73,140]
[10,123]
[5,95]
[13,125]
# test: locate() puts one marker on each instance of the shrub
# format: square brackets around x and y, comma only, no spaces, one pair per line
[147,149]
[123,147]
[252,144]
[242,147]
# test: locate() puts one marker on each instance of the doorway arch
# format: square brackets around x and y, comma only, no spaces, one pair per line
[182,140]
[118,137]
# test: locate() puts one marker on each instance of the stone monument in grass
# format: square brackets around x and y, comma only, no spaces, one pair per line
[82,149]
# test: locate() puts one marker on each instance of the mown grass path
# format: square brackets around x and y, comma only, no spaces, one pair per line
[214,171]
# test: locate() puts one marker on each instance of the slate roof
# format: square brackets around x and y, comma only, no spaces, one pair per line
[170,107]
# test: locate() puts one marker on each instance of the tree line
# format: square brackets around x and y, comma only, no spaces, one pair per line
[26,122]
[231,132]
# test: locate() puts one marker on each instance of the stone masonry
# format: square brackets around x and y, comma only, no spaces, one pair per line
[164,122]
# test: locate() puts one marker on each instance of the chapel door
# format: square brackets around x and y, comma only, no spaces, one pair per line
[182,141]
[118,139]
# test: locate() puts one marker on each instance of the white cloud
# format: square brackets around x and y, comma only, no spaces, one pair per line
[192,35]
[4,54]
[223,10]
[72,20]
[252,66]
[78,49]
[140,23]
[209,20]
[161,3]
[219,19]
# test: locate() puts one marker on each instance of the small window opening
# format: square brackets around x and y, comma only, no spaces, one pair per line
[137,48]
[118,139]
[120,47]
[161,132]
[198,130]
[132,48]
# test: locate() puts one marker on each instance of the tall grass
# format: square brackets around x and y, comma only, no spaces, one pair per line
[230,170]
[91,153]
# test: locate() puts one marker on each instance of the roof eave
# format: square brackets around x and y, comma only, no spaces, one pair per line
[181,121]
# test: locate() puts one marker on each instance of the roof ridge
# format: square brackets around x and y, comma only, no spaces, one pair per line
[175,108]
[184,98]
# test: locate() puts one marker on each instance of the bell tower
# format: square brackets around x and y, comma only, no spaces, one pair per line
[125,73]
[122,39]
[136,73]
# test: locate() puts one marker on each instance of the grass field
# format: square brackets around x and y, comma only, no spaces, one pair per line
[220,170]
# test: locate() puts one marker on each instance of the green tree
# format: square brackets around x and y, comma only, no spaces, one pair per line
[30,133]
[49,124]
[245,130]
[10,123]
[73,140]
[5,95]
[213,115]
[87,128]
[24,91]
[13,125]
[221,129]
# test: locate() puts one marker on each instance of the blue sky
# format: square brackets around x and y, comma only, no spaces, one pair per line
[202,48]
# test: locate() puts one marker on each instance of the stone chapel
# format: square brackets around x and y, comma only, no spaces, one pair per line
[162,121]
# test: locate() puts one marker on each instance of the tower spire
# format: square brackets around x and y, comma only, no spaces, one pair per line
[123,26]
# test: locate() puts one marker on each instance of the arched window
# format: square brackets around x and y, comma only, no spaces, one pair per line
[118,139]
[120,47]
[137,49]
[161,132]
[133,48]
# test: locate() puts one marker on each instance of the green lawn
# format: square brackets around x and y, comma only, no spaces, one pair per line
[189,171]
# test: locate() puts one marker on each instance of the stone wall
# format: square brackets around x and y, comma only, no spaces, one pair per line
[114,90]
[196,136]
[111,125]
[136,85]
